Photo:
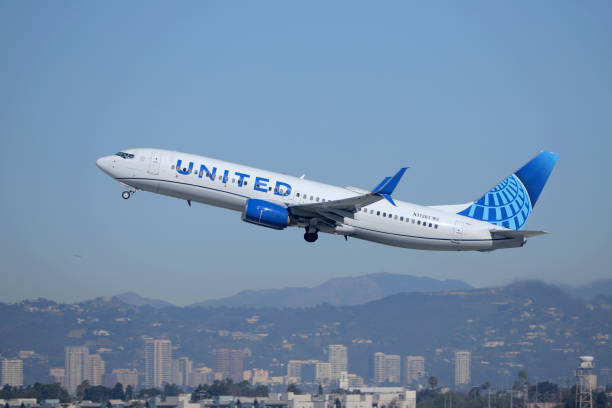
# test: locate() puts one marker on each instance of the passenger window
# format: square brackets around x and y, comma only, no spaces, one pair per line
[419,222]
[233,180]
[436,226]
[172,167]
[401,218]
[430,225]
[371,211]
[220,177]
[311,198]
[297,194]
[413,220]
[385,214]
[317,200]
[245,183]
[377,212]
[390,216]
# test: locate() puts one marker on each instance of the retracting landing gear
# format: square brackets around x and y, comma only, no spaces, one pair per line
[126,195]
[311,234]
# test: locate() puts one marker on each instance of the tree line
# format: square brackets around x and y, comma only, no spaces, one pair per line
[228,387]
[39,391]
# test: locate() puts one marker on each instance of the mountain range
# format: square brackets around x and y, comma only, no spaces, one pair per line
[350,291]
[527,325]
[345,291]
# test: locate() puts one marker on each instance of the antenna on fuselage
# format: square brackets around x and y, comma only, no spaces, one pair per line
[302,176]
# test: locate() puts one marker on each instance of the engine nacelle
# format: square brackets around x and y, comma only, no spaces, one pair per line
[266,214]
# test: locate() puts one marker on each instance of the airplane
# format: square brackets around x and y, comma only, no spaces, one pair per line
[278,201]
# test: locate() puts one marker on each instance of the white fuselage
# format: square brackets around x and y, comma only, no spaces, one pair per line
[405,225]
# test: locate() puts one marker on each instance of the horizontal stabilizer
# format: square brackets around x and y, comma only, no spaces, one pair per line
[517,234]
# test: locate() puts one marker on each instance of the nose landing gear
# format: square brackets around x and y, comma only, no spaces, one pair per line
[126,195]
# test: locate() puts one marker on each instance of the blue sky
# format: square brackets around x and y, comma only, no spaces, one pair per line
[346,92]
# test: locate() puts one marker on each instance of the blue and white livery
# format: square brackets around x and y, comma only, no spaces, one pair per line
[273,200]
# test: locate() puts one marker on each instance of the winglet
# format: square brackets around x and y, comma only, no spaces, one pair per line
[386,187]
[381,185]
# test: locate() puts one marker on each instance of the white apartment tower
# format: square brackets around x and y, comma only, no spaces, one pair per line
[338,360]
[415,368]
[158,362]
[76,366]
[387,368]
[95,369]
[181,371]
[379,368]
[12,372]
[393,368]
[463,361]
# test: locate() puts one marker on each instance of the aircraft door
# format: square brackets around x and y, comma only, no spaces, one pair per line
[154,165]
[458,232]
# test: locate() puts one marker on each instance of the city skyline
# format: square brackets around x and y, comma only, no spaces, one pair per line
[369,95]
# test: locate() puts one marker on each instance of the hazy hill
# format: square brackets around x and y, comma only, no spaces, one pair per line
[134,299]
[524,325]
[347,291]
[590,290]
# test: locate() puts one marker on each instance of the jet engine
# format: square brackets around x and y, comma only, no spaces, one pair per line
[266,214]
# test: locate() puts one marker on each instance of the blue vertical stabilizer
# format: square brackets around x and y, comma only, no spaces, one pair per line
[510,203]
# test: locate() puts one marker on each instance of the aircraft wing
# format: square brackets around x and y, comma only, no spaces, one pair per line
[335,211]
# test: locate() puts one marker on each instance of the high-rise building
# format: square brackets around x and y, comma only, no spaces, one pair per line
[294,370]
[12,372]
[76,366]
[123,376]
[59,375]
[221,362]
[415,368]
[95,369]
[322,371]
[236,365]
[393,368]
[181,371]
[228,363]
[158,362]
[201,375]
[338,360]
[379,368]
[387,368]
[463,361]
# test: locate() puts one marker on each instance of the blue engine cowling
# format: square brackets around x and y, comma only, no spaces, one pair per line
[266,214]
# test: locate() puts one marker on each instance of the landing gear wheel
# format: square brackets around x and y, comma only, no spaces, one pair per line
[311,236]
[125,195]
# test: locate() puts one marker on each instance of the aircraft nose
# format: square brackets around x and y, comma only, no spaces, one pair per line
[104,164]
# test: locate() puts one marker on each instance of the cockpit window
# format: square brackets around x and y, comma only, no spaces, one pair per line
[125,155]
